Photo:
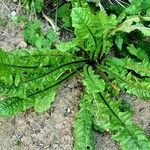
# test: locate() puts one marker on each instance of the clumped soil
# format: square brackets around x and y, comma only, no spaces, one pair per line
[52,129]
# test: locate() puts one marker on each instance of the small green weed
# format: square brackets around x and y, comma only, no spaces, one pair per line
[34,36]
[35,6]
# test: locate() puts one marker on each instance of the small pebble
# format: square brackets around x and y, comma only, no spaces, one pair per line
[13,13]
[67,112]
[22,44]
[15,1]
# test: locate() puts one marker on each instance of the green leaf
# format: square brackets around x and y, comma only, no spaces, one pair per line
[64,10]
[141,68]
[134,8]
[38,5]
[83,134]
[133,23]
[109,114]
[127,81]
[138,52]
[69,46]
[14,105]
[119,41]
[51,35]
[32,31]
[83,25]
[19,18]
[39,42]
[33,5]
[92,82]
[146,4]
[17,80]
[92,30]
[43,104]
[79,3]
[67,22]
[34,36]
[33,70]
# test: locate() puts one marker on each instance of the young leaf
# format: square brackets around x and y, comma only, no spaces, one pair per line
[83,25]
[119,41]
[138,52]
[34,36]
[92,30]
[32,31]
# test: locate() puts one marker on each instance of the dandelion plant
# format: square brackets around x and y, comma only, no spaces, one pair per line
[111,54]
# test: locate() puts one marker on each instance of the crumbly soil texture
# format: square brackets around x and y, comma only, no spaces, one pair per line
[51,130]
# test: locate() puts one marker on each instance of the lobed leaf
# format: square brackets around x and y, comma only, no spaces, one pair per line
[83,134]
[43,104]
[92,30]
[92,82]
[128,134]
[129,82]
[14,105]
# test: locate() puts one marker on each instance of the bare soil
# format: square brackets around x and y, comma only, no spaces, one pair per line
[51,130]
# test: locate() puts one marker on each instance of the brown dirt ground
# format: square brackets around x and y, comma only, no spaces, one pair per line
[51,130]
